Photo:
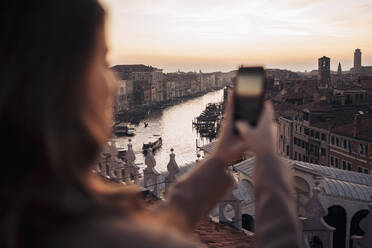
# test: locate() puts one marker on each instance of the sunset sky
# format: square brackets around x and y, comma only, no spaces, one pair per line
[214,35]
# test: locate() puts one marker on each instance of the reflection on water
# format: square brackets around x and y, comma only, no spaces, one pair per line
[174,124]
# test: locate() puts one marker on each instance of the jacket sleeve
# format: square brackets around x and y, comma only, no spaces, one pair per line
[276,222]
[197,192]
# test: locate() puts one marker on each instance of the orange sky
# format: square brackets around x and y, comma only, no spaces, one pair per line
[216,35]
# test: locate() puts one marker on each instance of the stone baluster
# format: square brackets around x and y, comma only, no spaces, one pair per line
[198,158]
[316,232]
[131,170]
[151,176]
[366,226]
[130,157]
[173,169]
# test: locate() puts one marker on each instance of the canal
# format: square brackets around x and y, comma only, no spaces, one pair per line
[174,125]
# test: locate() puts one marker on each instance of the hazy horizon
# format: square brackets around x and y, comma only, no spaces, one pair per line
[220,35]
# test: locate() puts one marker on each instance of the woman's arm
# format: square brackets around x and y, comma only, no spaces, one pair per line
[276,215]
[276,222]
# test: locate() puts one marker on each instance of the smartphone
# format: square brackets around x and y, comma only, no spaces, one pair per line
[249,90]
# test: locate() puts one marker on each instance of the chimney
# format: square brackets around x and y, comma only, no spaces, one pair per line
[356,125]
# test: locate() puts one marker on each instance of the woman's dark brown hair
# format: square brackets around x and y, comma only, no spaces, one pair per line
[46,148]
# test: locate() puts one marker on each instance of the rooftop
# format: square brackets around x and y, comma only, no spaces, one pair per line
[336,182]
[133,68]
[211,233]
[363,130]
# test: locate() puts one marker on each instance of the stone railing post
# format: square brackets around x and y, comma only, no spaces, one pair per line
[173,169]
[151,176]
[131,170]
[316,232]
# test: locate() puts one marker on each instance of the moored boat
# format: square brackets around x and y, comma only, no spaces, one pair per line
[121,129]
[124,129]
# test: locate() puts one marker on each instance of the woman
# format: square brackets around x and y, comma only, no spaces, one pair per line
[55,113]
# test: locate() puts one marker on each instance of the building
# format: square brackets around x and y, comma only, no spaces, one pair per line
[124,98]
[339,70]
[343,200]
[357,60]
[358,67]
[343,197]
[351,146]
[324,72]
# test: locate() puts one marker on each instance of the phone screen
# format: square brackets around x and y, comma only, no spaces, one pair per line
[249,84]
[249,91]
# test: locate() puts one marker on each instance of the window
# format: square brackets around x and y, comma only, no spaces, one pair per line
[311,133]
[306,116]
[336,162]
[361,151]
[311,147]
[350,147]
[366,149]
[295,157]
[332,140]
[317,135]
[323,137]
[306,131]
[366,171]
[349,167]
[332,161]
[287,150]
[360,169]
[300,129]
[296,128]
[343,165]
[337,142]
[323,151]
[345,144]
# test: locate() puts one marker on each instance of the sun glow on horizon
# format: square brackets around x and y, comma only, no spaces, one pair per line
[219,35]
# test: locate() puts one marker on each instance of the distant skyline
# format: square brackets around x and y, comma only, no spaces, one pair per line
[219,35]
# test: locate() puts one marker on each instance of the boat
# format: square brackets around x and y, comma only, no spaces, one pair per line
[154,143]
[121,129]
[130,131]
[124,129]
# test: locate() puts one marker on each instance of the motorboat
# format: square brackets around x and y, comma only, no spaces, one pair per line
[154,143]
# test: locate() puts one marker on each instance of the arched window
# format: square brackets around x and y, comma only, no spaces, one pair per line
[354,225]
[248,222]
[337,218]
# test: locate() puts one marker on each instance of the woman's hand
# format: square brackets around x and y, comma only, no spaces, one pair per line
[230,146]
[260,139]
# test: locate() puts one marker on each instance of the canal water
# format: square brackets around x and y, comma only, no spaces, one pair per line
[174,125]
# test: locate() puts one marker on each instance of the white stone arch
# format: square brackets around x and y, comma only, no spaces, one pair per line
[303,193]
[245,192]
